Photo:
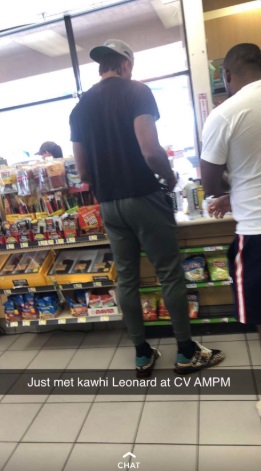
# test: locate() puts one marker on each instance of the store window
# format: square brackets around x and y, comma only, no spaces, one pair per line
[24,130]
[176,126]
[36,65]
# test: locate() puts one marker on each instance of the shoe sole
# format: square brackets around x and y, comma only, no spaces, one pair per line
[146,372]
[181,371]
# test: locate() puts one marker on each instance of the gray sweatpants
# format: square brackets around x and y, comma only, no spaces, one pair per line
[148,223]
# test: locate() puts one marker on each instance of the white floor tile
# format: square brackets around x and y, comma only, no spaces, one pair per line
[15,419]
[96,457]
[54,398]
[255,352]
[16,360]
[165,457]
[40,456]
[253,336]
[6,341]
[227,393]
[229,423]
[57,423]
[222,338]
[5,451]
[52,359]
[168,422]
[107,338]
[171,392]
[124,359]
[232,458]
[236,353]
[24,399]
[168,356]
[92,358]
[112,422]
[64,340]
[30,341]
[120,398]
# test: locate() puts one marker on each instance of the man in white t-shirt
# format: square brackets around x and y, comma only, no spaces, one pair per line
[232,143]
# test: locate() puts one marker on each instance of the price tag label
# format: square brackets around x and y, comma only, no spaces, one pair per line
[93,237]
[13,324]
[97,284]
[104,318]
[42,322]
[43,243]
[7,291]
[210,283]
[224,319]
[61,321]
[70,240]
[192,285]
[10,246]
[82,320]
[59,241]
[209,249]
[26,323]
[31,290]
[206,321]
[77,285]
[24,245]
[51,242]
[225,283]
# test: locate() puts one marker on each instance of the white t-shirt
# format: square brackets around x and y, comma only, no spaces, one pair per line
[232,136]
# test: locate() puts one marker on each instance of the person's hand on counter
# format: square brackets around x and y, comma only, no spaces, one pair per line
[220,207]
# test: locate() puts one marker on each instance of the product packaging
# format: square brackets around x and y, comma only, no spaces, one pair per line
[11,232]
[193,305]
[7,180]
[195,269]
[218,267]
[70,225]
[149,306]
[90,219]
[74,182]
[56,174]
[102,303]
[162,310]
[25,181]
[41,178]
[193,202]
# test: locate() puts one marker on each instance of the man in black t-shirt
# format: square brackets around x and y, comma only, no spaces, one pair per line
[117,150]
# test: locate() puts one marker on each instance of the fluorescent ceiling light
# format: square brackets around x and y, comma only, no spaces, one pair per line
[241,8]
[47,42]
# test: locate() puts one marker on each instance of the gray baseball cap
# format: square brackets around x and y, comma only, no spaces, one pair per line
[112,45]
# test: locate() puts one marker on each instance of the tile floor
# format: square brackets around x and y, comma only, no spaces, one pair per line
[93,432]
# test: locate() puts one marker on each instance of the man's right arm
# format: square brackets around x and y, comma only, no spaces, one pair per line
[154,155]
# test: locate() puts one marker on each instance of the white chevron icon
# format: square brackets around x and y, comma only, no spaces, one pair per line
[129,454]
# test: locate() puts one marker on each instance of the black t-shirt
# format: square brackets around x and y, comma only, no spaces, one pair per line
[103,121]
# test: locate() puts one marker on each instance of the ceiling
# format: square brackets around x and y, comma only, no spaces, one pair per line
[16,12]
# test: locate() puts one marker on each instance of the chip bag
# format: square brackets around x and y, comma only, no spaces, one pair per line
[195,269]
[218,267]
[149,306]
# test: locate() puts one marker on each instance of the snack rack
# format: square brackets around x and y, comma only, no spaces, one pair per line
[195,237]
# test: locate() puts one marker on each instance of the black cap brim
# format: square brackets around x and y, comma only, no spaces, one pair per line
[98,52]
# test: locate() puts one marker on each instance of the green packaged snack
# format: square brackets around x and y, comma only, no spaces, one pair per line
[218,267]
